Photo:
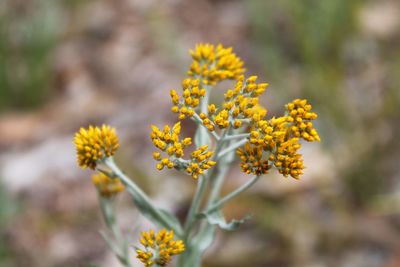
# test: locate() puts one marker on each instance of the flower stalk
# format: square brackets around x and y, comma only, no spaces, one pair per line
[141,199]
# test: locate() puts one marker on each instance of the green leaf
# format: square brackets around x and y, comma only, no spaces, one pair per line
[107,210]
[205,239]
[154,214]
[216,218]
[111,244]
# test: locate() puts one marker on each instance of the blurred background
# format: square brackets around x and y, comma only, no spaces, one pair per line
[69,63]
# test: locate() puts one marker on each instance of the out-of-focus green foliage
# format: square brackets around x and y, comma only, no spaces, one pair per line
[28,35]
[325,56]
[304,40]
[8,209]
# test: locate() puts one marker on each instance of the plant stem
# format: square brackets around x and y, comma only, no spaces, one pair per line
[201,186]
[120,246]
[236,136]
[197,119]
[204,102]
[231,148]
[202,240]
[233,194]
[141,198]
[194,207]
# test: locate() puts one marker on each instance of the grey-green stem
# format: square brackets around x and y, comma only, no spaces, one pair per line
[236,136]
[231,148]
[140,196]
[197,119]
[218,204]
[120,247]
[194,206]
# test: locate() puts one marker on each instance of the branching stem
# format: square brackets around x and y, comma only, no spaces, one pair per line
[141,197]
[236,136]
[197,119]
[217,205]
[231,148]
[195,205]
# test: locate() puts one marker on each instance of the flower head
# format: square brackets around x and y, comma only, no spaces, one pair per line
[241,103]
[215,64]
[275,142]
[107,186]
[94,144]
[158,248]
[300,117]
[167,140]
[287,160]
[200,161]
[172,147]
[269,133]
[253,159]
[192,94]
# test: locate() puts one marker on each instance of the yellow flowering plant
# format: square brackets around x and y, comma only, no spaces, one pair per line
[238,127]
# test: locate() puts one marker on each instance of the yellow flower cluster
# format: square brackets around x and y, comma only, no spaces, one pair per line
[192,94]
[276,141]
[252,160]
[273,142]
[214,64]
[299,112]
[241,103]
[107,186]
[267,134]
[94,144]
[158,248]
[287,160]
[200,161]
[167,140]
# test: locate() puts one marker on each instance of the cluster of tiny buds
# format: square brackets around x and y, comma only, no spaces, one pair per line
[252,160]
[300,115]
[276,141]
[191,96]
[241,103]
[94,144]
[107,186]
[214,64]
[167,140]
[158,248]
[287,160]
[200,161]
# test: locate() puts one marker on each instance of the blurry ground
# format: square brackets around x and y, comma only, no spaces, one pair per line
[68,64]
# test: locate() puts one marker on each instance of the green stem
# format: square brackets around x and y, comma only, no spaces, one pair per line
[236,136]
[201,186]
[217,205]
[141,198]
[120,246]
[204,102]
[231,148]
[197,119]
[200,242]
[222,169]
[216,188]
[194,207]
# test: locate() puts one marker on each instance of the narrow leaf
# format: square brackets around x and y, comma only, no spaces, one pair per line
[216,218]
